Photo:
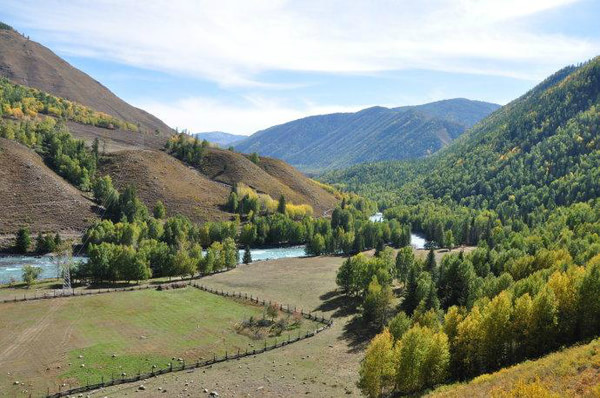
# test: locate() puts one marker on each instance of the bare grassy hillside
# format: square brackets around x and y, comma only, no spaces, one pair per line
[159,176]
[32,194]
[271,176]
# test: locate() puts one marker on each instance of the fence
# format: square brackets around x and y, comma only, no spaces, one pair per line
[326,323]
[58,293]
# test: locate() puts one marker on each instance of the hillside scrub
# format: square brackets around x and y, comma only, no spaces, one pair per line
[21,102]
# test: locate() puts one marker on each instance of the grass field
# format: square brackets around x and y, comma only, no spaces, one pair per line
[323,366]
[79,340]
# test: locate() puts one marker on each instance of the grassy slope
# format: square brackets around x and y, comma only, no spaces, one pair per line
[159,176]
[568,373]
[39,339]
[31,193]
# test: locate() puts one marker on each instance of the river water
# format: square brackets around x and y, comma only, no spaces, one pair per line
[11,267]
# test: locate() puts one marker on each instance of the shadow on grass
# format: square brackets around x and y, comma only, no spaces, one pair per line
[356,333]
[340,304]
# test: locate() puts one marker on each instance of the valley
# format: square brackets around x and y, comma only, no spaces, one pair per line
[386,236]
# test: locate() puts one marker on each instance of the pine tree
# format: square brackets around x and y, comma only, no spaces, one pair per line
[23,240]
[282,205]
[247,255]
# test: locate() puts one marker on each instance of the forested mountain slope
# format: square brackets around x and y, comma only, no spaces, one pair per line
[26,62]
[374,134]
[523,186]
[542,149]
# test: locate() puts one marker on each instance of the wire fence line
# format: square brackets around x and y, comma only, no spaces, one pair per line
[325,323]
[60,293]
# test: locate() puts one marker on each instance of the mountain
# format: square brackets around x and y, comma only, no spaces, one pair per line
[334,141]
[220,138]
[26,62]
[542,149]
[41,178]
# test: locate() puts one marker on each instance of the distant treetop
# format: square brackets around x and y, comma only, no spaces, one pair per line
[4,26]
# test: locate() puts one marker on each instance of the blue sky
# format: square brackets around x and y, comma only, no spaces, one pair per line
[240,66]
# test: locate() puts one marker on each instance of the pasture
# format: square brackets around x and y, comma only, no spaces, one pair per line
[74,341]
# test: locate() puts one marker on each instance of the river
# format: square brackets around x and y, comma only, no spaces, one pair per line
[417,241]
[11,267]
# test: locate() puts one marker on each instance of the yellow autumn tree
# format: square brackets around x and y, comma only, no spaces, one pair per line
[377,368]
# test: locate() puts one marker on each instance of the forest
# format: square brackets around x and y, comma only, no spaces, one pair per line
[521,186]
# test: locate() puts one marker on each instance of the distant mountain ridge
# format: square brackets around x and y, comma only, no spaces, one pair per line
[339,140]
[220,137]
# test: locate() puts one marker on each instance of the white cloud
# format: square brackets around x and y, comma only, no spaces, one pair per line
[231,42]
[255,114]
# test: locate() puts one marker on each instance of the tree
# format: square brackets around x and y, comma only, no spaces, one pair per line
[422,359]
[23,240]
[281,206]
[449,239]
[231,254]
[496,331]
[399,325]
[589,303]
[254,158]
[377,303]
[30,274]
[45,243]
[377,368]
[404,261]
[316,245]
[159,211]
[247,255]
[430,263]
[233,202]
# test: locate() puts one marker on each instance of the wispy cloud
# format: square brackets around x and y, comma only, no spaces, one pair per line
[232,42]
[238,46]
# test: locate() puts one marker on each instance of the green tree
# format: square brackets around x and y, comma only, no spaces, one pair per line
[159,211]
[399,325]
[281,205]
[23,240]
[377,303]
[404,261]
[589,303]
[247,255]
[422,359]
[316,245]
[30,274]
[254,158]
[449,239]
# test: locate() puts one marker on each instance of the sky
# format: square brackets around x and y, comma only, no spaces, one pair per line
[242,66]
